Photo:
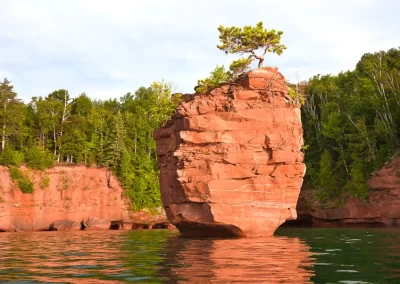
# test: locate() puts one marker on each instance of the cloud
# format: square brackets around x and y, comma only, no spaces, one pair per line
[108,48]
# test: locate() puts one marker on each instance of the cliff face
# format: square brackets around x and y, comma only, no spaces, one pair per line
[68,193]
[381,209]
[73,193]
[230,161]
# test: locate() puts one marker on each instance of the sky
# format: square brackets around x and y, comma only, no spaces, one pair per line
[109,48]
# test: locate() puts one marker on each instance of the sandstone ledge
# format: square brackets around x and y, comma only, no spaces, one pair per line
[381,209]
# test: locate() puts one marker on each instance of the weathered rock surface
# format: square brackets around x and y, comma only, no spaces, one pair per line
[66,193]
[65,225]
[230,161]
[96,223]
[381,209]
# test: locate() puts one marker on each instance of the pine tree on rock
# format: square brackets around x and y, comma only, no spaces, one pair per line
[249,40]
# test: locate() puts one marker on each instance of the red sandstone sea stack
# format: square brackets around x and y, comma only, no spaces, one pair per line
[230,160]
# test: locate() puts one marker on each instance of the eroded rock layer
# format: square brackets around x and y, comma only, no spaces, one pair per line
[380,209]
[230,160]
[67,198]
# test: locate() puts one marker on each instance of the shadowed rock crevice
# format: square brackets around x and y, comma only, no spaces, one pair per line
[230,160]
[193,229]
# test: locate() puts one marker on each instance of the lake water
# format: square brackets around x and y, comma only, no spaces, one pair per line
[293,255]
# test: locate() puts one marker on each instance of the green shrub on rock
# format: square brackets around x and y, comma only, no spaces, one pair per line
[15,173]
[26,185]
[37,158]
[22,180]
[10,157]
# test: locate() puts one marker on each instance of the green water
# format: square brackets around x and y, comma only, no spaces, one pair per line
[346,255]
[159,256]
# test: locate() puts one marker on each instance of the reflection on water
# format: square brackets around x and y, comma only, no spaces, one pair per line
[274,260]
[151,256]
[75,257]
[161,256]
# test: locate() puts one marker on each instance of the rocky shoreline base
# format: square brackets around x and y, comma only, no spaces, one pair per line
[380,209]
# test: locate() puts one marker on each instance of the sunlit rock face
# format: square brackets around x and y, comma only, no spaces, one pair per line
[230,160]
[380,209]
[69,198]
[63,196]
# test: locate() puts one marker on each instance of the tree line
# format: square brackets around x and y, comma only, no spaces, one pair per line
[351,124]
[113,133]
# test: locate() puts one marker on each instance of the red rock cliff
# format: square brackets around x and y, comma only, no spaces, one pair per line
[230,160]
[73,193]
[381,209]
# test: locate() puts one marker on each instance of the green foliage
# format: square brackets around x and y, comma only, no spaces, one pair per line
[356,116]
[45,181]
[15,173]
[248,40]
[82,105]
[22,180]
[37,158]
[10,157]
[298,98]
[357,185]
[218,76]
[12,111]
[326,179]
[140,180]
[26,185]
[137,169]
[240,66]
[116,143]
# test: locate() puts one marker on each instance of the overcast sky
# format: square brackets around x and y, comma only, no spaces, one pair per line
[108,48]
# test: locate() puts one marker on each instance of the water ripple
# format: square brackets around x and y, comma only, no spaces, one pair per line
[161,256]
[117,257]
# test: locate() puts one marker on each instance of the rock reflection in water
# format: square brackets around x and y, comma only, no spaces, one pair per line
[66,257]
[253,260]
[150,256]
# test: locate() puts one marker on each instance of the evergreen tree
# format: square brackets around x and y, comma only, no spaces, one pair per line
[116,143]
[250,40]
[327,181]
[12,112]
[357,185]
